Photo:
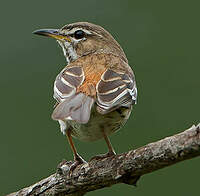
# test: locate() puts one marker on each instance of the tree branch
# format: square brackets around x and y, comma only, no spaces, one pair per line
[123,168]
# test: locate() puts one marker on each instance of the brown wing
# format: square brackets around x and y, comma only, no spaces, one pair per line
[115,89]
[72,105]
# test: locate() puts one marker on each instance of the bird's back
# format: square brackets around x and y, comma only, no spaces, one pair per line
[93,92]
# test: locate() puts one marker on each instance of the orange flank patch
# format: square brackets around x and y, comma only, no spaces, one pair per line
[92,77]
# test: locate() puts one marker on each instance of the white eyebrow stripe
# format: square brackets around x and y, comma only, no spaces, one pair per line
[78,28]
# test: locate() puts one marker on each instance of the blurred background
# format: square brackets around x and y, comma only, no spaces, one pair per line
[161,40]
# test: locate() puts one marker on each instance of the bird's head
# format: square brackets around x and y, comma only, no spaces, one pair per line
[82,38]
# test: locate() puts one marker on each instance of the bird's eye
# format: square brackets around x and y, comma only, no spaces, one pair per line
[79,34]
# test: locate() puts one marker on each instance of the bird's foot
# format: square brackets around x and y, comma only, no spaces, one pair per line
[67,167]
[78,160]
[102,156]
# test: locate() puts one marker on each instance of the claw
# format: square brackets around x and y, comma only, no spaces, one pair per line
[78,160]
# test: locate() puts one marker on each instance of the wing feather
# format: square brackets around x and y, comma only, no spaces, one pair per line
[71,105]
[115,89]
[67,82]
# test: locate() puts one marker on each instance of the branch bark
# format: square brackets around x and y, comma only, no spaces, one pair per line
[123,168]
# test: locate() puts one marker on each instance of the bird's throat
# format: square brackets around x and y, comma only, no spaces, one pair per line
[69,51]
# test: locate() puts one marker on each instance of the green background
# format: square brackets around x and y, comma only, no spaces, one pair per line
[161,40]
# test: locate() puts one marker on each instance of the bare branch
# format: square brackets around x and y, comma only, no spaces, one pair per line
[124,168]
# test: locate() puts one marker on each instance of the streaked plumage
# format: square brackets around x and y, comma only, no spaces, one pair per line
[95,92]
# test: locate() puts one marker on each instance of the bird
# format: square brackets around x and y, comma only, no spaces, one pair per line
[96,90]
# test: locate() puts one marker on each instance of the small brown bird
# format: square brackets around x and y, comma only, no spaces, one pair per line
[95,92]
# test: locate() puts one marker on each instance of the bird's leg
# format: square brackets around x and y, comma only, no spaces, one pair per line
[77,158]
[110,152]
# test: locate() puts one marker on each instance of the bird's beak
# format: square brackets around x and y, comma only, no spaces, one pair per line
[52,33]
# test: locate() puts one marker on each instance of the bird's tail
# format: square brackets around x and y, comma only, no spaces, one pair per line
[77,108]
